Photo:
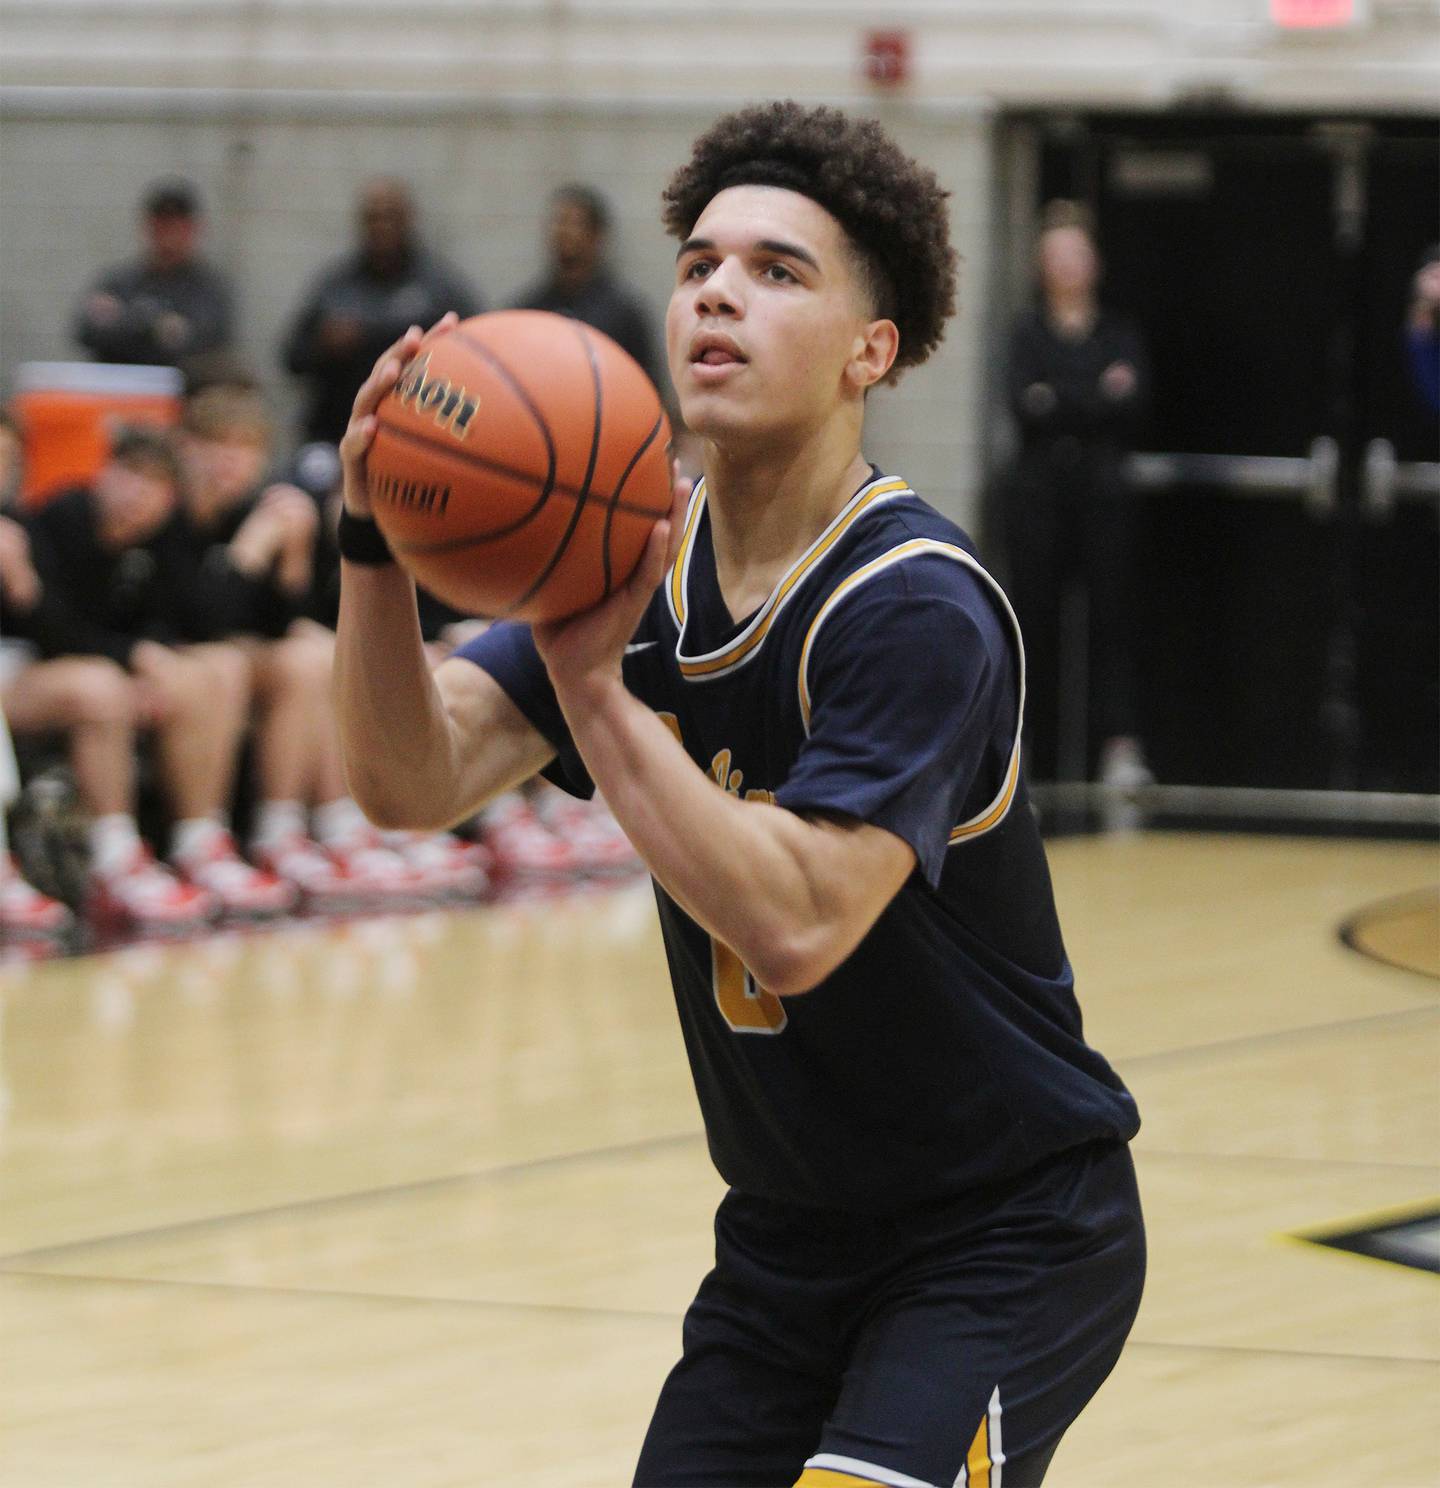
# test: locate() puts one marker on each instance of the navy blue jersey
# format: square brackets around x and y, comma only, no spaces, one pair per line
[883,681]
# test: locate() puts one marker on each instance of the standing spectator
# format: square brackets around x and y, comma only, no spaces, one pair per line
[579,282]
[1077,382]
[111,665]
[1422,330]
[540,830]
[167,307]
[361,303]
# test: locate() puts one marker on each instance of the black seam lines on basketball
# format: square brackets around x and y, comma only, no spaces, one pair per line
[615,497]
[554,561]
[546,490]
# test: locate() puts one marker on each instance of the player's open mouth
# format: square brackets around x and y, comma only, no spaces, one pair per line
[715,350]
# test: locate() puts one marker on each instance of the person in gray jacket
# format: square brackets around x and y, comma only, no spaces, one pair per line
[167,307]
[364,301]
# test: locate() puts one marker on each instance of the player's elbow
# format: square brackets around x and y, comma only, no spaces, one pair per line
[395,811]
[794,962]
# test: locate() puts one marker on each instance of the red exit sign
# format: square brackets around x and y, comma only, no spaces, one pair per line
[1317,15]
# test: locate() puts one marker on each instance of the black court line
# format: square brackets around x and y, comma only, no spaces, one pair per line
[636,1314]
[1350,930]
[1279,1035]
[357,1196]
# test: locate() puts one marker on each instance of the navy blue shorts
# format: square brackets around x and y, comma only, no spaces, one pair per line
[942,1346]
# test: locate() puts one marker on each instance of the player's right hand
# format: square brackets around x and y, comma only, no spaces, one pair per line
[361,429]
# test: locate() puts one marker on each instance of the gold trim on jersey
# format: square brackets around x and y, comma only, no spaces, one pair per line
[675,589]
[748,642]
[993,813]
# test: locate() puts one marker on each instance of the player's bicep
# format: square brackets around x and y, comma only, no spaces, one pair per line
[495,746]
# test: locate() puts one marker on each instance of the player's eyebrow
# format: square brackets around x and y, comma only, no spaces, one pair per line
[776,246]
[788,250]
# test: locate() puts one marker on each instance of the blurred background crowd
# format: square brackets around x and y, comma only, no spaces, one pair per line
[168,615]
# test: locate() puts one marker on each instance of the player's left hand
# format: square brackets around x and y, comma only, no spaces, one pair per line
[588,647]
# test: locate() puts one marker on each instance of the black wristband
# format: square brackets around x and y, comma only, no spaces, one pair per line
[361,541]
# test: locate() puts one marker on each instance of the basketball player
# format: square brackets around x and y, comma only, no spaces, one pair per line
[931,1250]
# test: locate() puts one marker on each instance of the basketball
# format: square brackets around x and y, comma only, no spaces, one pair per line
[519,465]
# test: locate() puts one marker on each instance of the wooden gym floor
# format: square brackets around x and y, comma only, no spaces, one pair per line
[420,1202]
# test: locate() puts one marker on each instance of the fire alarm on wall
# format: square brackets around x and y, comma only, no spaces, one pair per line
[886,58]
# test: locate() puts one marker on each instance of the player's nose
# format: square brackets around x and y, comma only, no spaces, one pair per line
[722,291]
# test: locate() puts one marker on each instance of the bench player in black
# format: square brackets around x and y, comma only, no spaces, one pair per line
[805,710]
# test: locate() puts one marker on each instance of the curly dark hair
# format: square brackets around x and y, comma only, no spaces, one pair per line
[891,207]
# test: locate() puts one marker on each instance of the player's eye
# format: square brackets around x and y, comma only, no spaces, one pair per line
[779,274]
[698,268]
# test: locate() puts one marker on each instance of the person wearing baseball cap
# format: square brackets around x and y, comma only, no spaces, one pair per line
[167,306]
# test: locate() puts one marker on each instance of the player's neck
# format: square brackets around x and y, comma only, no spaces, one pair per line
[767,507]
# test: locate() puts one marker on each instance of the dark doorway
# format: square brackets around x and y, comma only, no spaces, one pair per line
[1288,636]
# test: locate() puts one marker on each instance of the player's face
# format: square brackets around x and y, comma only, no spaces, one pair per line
[135,502]
[765,318]
[227,469]
[1068,261]
[171,239]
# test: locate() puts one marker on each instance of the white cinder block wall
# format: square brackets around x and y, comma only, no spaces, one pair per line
[280,108]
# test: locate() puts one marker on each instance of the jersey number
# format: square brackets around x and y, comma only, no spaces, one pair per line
[745,1006]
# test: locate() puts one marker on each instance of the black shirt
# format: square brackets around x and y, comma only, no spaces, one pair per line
[385,305]
[1054,382]
[605,304]
[95,601]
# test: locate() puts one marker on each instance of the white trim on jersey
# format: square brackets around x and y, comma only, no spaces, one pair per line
[995,810]
[740,649]
[995,1455]
[833,1462]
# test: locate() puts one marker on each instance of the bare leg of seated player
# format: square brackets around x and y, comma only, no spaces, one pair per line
[199,697]
[96,704]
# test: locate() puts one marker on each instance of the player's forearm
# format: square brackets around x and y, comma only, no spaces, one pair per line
[738,868]
[397,742]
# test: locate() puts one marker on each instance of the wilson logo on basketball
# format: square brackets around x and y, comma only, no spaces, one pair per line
[422,497]
[451,407]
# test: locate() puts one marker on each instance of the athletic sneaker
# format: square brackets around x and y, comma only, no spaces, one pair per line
[378,875]
[455,870]
[26,913]
[320,881]
[242,890]
[145,895]
[1124,771]
[592,833]
[521,845]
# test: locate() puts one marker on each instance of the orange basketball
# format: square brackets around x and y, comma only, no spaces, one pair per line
[519,465]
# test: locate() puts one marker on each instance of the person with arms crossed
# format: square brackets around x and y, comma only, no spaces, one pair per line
[804,708]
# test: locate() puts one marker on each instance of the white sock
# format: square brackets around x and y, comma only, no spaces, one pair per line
[114,841]
[277,820]
[192,837]
[339,821]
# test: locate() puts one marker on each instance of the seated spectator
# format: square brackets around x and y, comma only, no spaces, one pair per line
[365,301]
[110,665]
[167,307]
[244,552]
[26,915]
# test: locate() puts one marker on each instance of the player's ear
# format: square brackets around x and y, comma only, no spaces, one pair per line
[873,353]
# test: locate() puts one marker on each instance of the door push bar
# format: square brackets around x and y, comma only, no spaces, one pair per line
[1313,478]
